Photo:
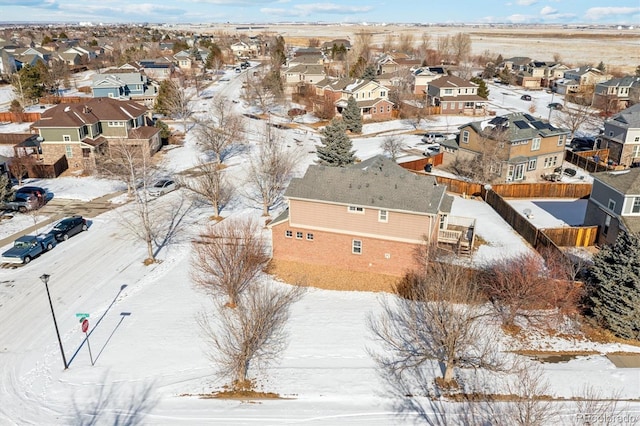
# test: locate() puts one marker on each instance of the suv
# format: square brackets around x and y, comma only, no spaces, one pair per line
[36,191]
[582,143]
[21,202]
[525,97]
[555,105]
[434,138]
[68,227]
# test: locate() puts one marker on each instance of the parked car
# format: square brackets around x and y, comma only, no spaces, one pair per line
[27,247]
[555,105]
[432,149]
[567,171]
[582,142]
[21,203]
[525,97]
[162,186]
[39,193]
[68,227]
[433,138]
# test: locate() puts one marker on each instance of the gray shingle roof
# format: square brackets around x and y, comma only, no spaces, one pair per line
[625,181]
[516,127]
[377,182]
[628,118]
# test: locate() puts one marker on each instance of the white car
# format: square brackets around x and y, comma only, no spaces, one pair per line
[432,149]
[161,187]
[433,138]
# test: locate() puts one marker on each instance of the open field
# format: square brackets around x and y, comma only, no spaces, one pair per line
[617,48]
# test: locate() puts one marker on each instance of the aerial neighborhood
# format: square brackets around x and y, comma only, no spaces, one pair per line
[461,223]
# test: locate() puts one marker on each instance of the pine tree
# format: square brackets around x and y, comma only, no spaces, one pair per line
[351,116]
[614,286]
[336,149]
[369,73]
[483,90]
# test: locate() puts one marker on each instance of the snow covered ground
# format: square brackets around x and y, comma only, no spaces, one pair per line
[149,353]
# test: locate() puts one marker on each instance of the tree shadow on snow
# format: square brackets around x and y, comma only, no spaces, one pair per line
[122,404]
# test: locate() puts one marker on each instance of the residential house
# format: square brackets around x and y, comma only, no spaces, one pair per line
[455,95]
[370,217]
[615,94]
[157,69]
[307,56]
[7,62]
[243,50]
[515,64]
[516,146]
[184,59]
[531,76]
[330,48]
[586,77]
[622,136]
[614,204]
[31,56]
[553,72]
[298,75]
[371,96]
[125,85]
[81,132]
[423,76]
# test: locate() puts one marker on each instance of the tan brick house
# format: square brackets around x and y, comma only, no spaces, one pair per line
[332,96]
[369,217]
[82,131]
[455,95]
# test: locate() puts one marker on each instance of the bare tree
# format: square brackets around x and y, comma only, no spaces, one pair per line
[220,130]
[177,102]
[20,166]
[270,169]
[228,257]
[252,335]
[208,181]
[393,146]
[131,163]
[437,320]
[460,46]
[578,117]
[593,407]
[5,189]
[257,93]
[486,166]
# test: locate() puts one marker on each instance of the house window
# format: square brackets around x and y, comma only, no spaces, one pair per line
[383,216]
[443,221]
[636,205]
[310,237]
[356,247]
[288,233]
[354,209]
[535,144]
[68,150]
[383,94]
[444,106]
[448,91]
[611,205]
[610,133]
[636,151]
[66,138]
[636,139]
[561,140]
[532,164]
[299,235]
[607,224]
[465,136]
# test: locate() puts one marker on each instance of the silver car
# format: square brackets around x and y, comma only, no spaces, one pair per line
[162,186]
[434,138]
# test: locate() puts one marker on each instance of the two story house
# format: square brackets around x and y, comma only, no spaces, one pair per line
[83,131]
[622,136]
[125,85]
[423,76]
[371,96]
[614,204]
[455,95]
[370,216]
[585,76]
[516,146]
[298,75]
[615,94]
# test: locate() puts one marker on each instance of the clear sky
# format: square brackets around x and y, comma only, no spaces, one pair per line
[357,11]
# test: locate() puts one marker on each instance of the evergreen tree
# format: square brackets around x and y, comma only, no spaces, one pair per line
[336,149]
[601,66]
[166,92]
[351,116]
[28,83]
[614,286]
[369,73]
[483,90]
[638,71]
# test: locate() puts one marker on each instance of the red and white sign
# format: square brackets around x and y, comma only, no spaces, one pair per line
[85,325]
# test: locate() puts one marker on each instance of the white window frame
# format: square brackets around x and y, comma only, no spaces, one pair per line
[535,144]
[309,236]
[68,151]
[561,140]
[356,246]
[465,136]
[355,209]
[288,233]
[66,138]
[635,205]
[383,216]
[635,152]
[299,235]
[532,164]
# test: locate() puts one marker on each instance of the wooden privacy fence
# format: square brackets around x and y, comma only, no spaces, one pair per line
[575,236]
[585,160]
[460,186]
[543,190]
[23,117]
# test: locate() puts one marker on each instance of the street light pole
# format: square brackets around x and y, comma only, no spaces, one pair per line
[45,280]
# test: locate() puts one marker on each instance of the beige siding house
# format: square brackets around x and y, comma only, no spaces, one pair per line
[368,217]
